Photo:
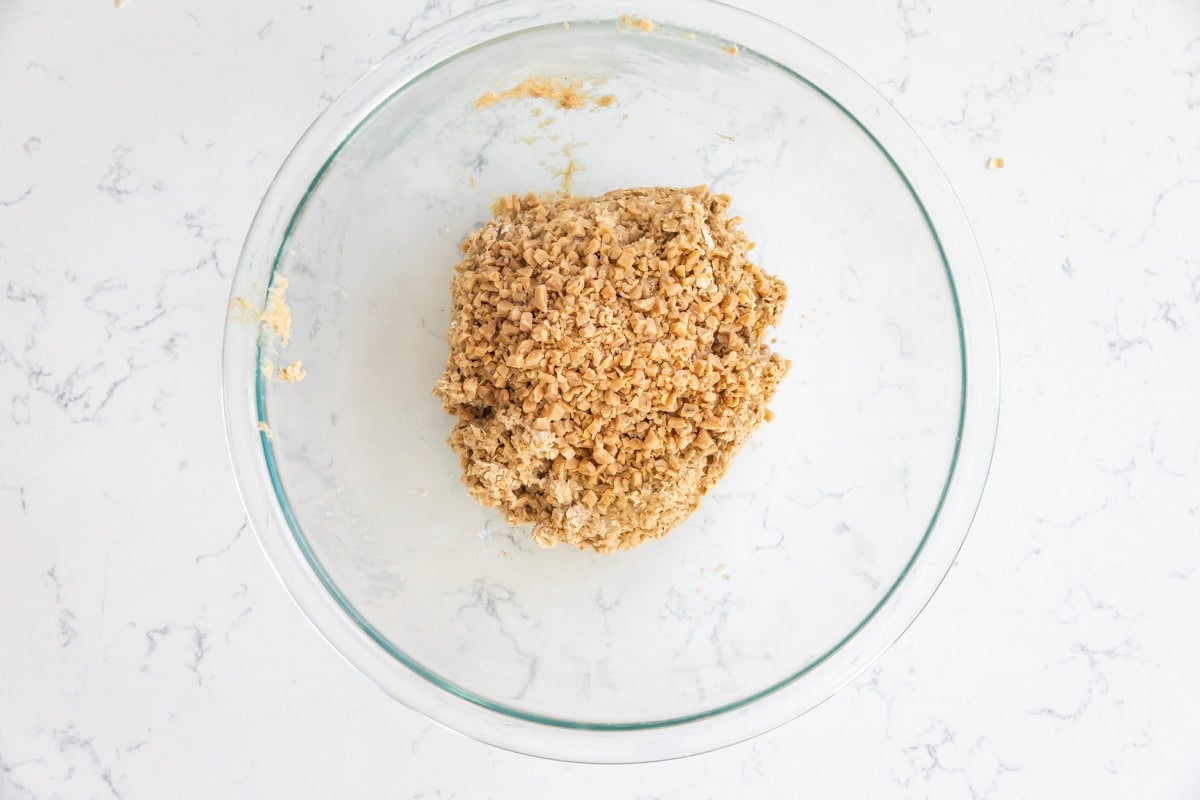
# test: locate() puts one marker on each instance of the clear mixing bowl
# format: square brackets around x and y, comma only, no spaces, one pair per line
[835,523]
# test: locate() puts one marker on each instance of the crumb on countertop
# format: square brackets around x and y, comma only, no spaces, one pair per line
[731,49]
[995,162]
[266,430]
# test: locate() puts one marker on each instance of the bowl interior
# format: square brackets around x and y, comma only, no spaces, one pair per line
[822,511]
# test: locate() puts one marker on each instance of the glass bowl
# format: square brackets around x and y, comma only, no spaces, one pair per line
[834,525]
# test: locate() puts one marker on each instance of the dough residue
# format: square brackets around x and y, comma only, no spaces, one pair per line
[292,373]
[641,23]
[277,318]
[563,93]
[246,310]
[568,171]
[278,315]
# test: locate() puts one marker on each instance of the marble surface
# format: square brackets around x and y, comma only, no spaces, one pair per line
[146,649]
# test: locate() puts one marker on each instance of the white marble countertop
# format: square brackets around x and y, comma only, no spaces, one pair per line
[146,649]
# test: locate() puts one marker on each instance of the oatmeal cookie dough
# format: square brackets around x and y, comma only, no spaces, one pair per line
[607,359]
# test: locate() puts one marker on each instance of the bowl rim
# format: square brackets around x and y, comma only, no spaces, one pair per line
[368,651]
